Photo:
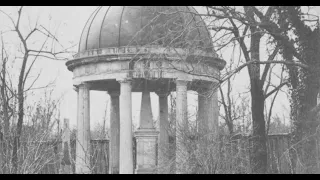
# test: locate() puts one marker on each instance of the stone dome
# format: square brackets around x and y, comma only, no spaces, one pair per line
[145,42]
[166,26]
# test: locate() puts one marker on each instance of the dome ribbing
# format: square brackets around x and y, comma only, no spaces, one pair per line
[167,26]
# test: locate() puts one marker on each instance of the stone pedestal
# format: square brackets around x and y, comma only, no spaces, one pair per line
[83,130]
[146,137]
[146,151]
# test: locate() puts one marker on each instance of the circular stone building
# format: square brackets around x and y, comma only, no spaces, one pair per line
[144,49]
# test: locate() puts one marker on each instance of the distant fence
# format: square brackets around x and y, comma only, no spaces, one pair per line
[65,152]
[99,160]
[239,148]
[278,153]
[59,155]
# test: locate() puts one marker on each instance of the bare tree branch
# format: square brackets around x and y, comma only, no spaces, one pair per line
[266,69]
[276,89]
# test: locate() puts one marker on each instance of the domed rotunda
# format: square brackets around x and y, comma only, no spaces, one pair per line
[161,49]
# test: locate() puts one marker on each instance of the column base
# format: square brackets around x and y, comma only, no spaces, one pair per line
[83,170]
[114,171]
[146,150]
[145,171]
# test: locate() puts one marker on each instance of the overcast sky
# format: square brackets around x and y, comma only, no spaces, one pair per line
[69,22]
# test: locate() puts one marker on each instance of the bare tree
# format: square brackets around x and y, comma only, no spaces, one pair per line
[300,56]
[29,56]
[7,109]
[304,83]
[238,24]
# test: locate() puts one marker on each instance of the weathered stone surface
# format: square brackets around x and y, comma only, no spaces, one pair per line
[163,141]
[114,145]
[213,114]
[146,119]
[181,125]
[146,137]
[170,66]
[146,150]
[83,130]
[126,155]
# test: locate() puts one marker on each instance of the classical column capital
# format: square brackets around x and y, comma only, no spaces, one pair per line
[182,82]
[75,88]
[114,93]
[124,80]
[162,93]
[84,85]
[203,91]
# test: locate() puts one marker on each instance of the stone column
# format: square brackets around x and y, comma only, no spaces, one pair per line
[208,112]
[213,115]
[203,111]
[213,123]
[146,137]
[181,125]
[126,153]
[163,142]
[114,145]
[83,130]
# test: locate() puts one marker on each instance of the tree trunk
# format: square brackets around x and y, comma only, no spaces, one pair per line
[304,137]
[5,139]
[16,142]
[259,148]
[304,99]
[259,141]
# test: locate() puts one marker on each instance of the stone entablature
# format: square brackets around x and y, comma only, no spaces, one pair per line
[145,52]
[145,62]
[110,70]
